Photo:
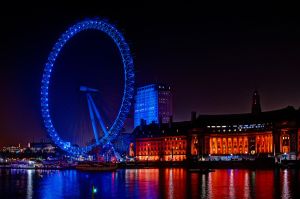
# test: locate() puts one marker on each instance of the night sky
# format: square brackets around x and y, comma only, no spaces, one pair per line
[212,56]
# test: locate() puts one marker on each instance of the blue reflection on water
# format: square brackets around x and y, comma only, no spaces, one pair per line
[29,184]
[59,184]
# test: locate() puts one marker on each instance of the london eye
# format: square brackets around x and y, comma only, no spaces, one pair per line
[109,133]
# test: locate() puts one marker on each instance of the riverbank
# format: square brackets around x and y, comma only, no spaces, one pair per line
[264,163]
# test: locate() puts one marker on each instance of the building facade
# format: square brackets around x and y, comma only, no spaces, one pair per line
[256,134]
[163,142]
[42,147]
[153,104]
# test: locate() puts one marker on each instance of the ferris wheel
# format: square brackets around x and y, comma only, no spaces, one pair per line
[113,131]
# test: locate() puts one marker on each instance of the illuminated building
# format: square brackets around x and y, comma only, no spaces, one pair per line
[153,104]
[12,149]
[256,134]
[43,147]
[161,142]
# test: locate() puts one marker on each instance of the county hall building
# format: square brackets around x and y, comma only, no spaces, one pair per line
[256,134]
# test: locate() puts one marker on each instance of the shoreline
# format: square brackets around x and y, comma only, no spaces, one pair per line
[243,164]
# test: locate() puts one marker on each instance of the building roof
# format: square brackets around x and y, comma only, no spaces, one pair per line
[267,119]
[155,86]
[288,113]
[161,130]
[40,144]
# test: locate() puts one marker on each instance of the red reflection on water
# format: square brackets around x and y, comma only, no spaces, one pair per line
[143,181]
[175,179]
[223,183]
[241,184]
[264,183]
[157,183]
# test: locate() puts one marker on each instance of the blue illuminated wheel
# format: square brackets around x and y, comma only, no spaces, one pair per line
[117,37]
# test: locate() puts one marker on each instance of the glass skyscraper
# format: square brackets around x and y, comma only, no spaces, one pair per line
[153,103]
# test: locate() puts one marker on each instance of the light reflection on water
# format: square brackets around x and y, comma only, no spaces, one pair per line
[29,184]
[150,183]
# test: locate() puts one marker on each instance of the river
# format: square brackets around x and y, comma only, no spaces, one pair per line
[174,183]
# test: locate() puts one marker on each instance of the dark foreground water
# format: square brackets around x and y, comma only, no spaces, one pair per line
[150,183]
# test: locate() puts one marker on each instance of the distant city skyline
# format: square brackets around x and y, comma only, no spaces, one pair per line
[213,58]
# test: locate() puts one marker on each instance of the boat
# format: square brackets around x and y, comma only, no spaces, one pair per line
[96,166]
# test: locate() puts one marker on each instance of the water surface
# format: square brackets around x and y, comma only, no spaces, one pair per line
[150,183]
